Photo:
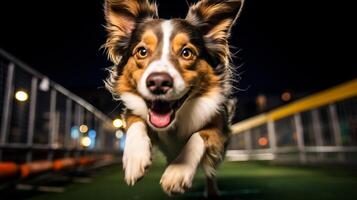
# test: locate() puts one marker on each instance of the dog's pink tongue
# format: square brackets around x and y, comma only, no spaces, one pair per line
[160,120]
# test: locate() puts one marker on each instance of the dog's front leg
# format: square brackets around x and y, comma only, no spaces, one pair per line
[179,174]
[137,151]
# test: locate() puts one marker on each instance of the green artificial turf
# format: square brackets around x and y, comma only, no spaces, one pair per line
[236,180]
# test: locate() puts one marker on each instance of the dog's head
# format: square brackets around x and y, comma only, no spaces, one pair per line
[166,67]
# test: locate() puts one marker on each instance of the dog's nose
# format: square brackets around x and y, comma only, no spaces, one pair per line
[159,83]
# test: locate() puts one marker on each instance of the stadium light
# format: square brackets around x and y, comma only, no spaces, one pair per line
[118,123]
[21,95]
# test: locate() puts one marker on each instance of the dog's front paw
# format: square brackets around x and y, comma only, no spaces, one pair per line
[136,161]
[177,178]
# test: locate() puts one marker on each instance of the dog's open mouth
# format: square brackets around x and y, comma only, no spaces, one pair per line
[162,113]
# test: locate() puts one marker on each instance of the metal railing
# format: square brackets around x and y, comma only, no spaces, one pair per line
[318,128]
[40,119]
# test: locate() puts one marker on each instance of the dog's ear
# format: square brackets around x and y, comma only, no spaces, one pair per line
[122,17]
[215,19]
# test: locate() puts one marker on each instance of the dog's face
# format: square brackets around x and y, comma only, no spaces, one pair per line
[162,64]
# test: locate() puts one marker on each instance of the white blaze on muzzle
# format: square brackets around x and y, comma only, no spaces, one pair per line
[163,65]
[163,117]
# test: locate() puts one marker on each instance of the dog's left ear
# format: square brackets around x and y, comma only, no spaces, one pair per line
[215,19]
[122,17]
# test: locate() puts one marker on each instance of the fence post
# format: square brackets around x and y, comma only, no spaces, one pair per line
[317,131]
[67,137]
[272,136]
[32,116]
[53,131]
[78,121]
[248,142]
[7,106]
[101,137]
[336,129]
[300,137]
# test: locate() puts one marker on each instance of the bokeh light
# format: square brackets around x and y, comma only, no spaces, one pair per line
[118,123]
[86,141]
[21,95]
[286,96]
[119,134]
[83,128]
[263,141]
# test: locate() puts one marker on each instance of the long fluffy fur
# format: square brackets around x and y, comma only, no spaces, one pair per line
[203,119]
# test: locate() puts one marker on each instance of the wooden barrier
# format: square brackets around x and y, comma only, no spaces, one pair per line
[65,163]
[86,160]
[35,168]
[13,170]
[8,169]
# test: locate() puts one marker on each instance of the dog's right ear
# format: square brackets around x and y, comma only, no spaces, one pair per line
[122,16]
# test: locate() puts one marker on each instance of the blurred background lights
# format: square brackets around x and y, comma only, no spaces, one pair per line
[21,95]
[45,84]
[74,132]
[286,96]
[86,141]
[118,123]
[122,143]
[119,134]
[92,133]
[261,102]
[263,141]
[83,128]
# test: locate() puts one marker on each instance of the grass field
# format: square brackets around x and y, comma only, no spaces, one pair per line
[236,180]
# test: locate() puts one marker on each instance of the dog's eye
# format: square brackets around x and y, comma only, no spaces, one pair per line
[142,52]
[186,53]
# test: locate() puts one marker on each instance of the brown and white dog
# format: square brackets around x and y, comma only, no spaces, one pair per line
[174,79]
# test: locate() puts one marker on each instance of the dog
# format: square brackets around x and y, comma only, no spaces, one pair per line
[174,78]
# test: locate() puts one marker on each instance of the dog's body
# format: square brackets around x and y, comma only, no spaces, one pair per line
[173,76]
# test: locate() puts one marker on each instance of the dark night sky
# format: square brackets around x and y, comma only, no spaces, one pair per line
[302,46]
